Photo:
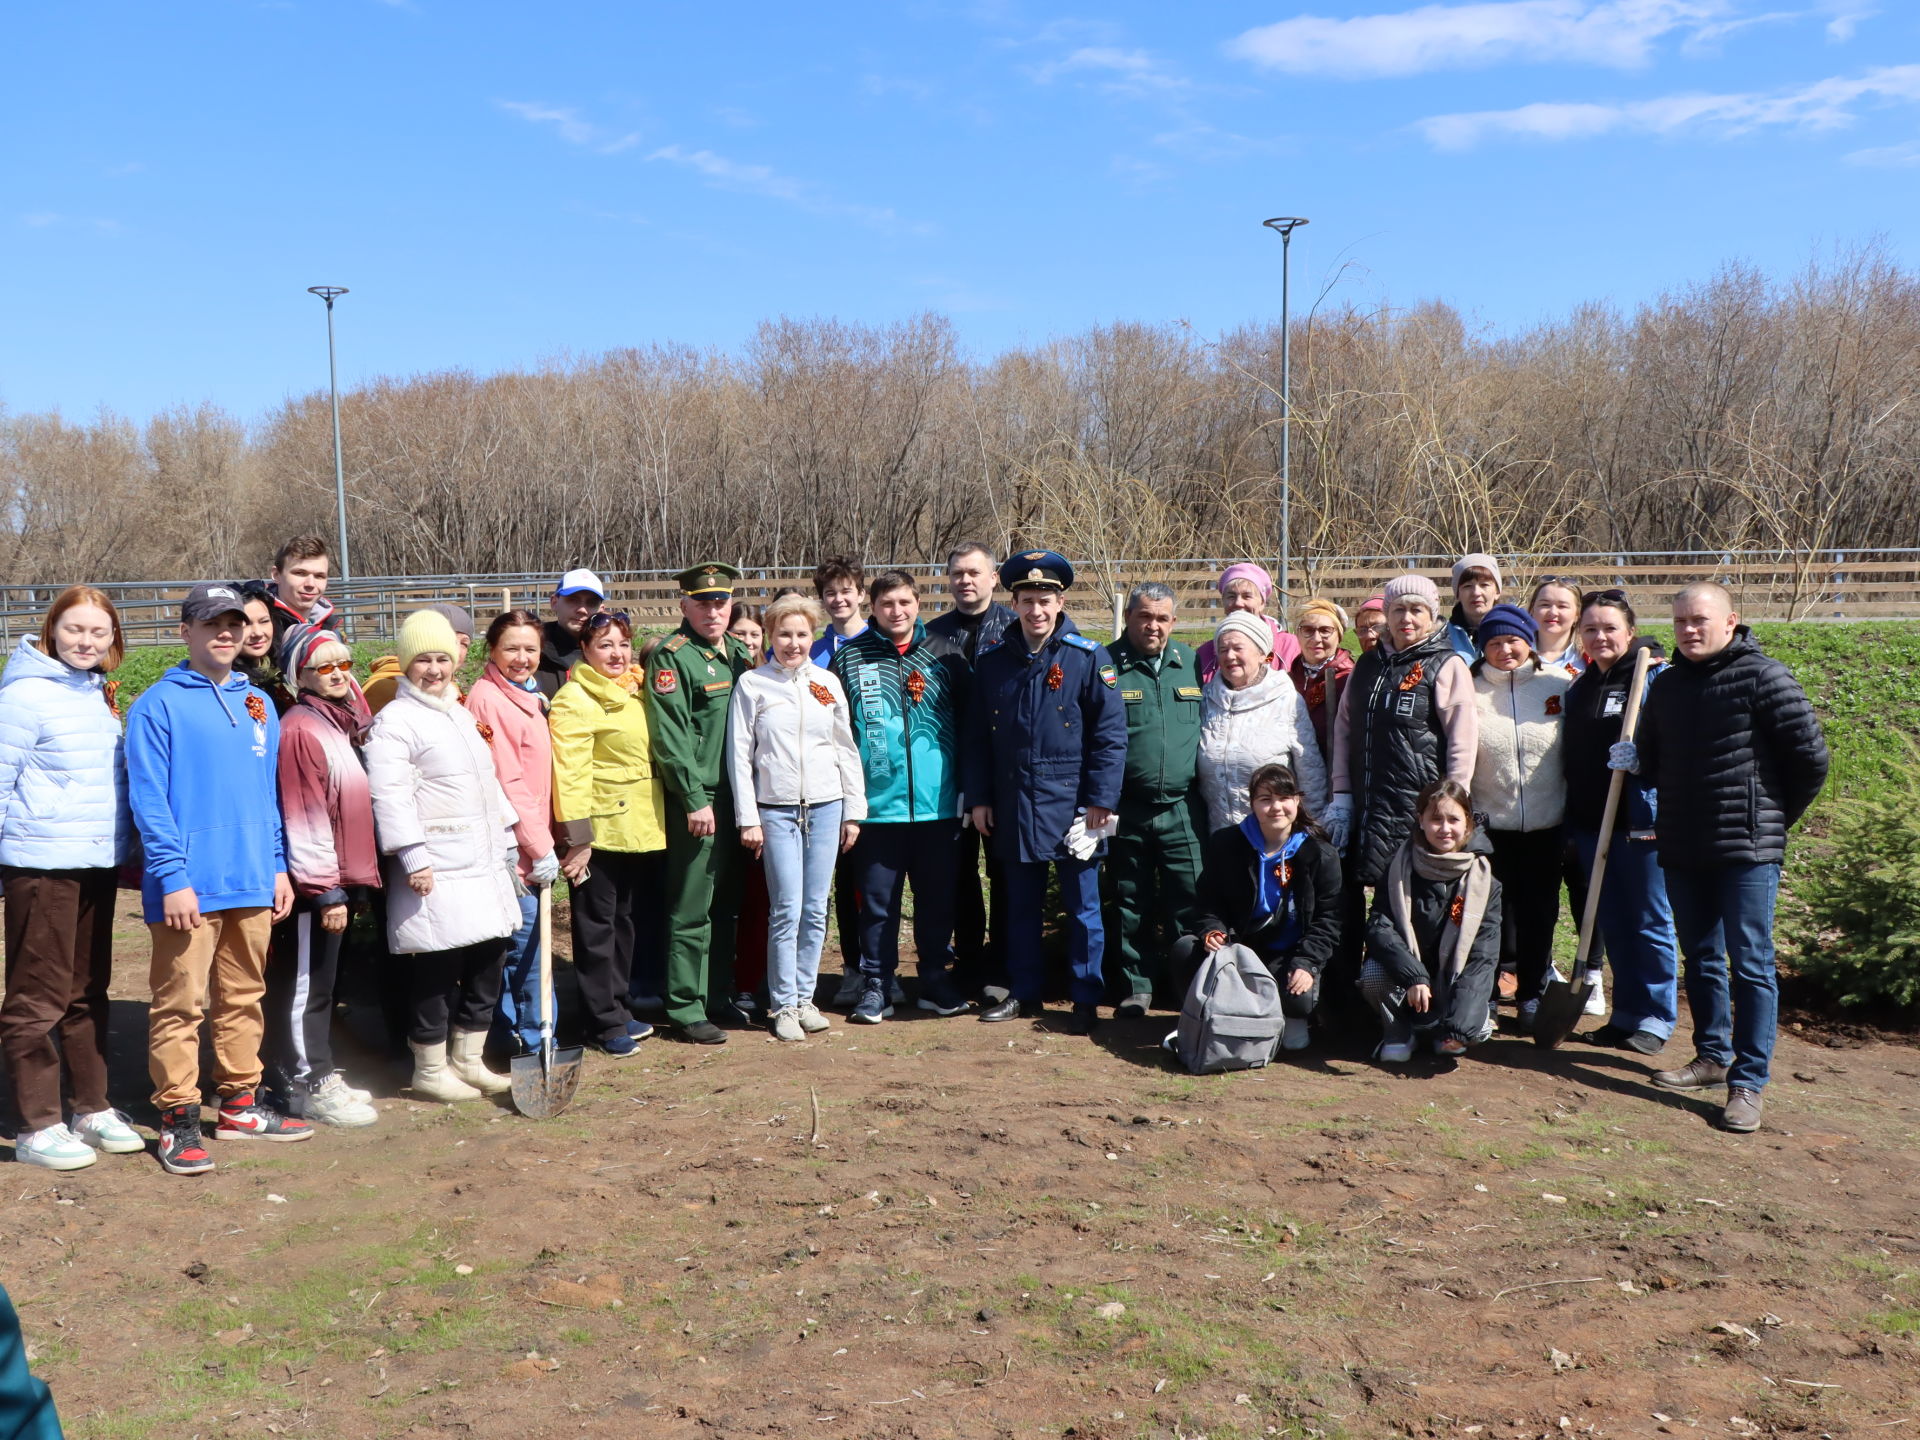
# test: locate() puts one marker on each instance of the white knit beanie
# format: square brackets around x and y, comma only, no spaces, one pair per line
[1254,627]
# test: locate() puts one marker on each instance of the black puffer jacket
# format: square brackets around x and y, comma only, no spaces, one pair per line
[1733,747]
[1596,710]
[1228,889]
[1459,1001]
[1396,746]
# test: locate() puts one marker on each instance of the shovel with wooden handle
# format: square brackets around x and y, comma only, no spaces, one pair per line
[543,1084]
[1566,1000]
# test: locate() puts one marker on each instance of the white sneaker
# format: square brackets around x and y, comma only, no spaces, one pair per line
[811,1020]
[1294,1036]
[108,1130]
[1597,1001]
[365,1097]
[849,992]
[786,1024]
[54,1148]
[1394,1052]
[333,1104]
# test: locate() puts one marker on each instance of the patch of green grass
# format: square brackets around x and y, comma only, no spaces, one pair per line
[1905,1320]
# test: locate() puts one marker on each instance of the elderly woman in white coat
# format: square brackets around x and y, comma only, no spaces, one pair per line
[1251,715]
[799,793]
[448,830]
[63,828]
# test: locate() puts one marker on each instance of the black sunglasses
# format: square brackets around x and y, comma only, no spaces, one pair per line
[1603,597]
[600,618]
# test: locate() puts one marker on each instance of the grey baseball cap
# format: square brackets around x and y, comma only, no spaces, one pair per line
[211,599]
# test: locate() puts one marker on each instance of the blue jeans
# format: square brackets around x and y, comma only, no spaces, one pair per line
[1086,931]
[1637,924]
[516,1023]
[885,858]
[1723,915]
[801,845]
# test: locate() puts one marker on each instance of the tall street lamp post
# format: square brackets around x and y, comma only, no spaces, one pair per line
[330,293]
[1286,225]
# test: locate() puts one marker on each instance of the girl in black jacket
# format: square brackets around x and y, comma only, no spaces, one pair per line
[1433,945]
[1272,884]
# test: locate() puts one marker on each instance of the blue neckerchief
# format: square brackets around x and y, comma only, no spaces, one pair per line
[530,685]
[1274,893]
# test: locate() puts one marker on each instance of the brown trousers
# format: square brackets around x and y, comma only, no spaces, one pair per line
[59,960]
[217,972]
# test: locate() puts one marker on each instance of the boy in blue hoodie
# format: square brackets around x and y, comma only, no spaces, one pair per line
[202,756]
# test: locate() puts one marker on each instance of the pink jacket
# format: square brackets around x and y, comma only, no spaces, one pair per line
[1286,650]
[514,723]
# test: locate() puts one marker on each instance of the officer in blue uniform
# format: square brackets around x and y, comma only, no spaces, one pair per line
[1046,746]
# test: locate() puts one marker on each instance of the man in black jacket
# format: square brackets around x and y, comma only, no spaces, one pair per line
[975,622]
[578,595]
[1735,753]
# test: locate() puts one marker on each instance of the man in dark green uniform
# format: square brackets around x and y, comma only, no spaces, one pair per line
[689,690]
[1153,863]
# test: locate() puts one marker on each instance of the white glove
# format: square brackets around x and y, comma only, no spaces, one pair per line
[1079,843]
[546,869]
[1624,755]
[1337,818]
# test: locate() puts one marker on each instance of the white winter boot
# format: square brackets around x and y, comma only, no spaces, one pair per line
[464,1060]
[432,1080]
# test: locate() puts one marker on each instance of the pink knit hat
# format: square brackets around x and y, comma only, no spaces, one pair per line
[1247,570]
[1412,587]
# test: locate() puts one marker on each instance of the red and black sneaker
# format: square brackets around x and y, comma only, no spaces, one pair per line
[183,1150]
[242,1117]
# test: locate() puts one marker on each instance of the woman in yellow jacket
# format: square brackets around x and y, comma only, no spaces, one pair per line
[611,810]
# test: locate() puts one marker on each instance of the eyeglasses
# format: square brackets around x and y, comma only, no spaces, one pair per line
[335,667]
[601,618]
[1603,597]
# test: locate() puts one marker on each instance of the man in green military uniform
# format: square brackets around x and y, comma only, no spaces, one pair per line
[1153,863]
[689,690]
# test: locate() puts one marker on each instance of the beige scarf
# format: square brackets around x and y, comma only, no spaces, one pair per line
[1464,915]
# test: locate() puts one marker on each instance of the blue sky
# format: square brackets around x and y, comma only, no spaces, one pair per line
[503,182]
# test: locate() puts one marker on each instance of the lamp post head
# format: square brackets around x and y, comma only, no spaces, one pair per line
[327,292]
[1285,224]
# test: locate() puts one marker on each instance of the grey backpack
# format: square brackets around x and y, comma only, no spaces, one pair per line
[1231,1019]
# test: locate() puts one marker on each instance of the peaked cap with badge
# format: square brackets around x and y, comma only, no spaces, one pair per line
[710,577]
[1036,570]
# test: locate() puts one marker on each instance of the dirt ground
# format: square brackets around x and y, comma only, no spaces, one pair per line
[938,1228]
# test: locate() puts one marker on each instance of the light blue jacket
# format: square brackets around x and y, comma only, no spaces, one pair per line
[63,767]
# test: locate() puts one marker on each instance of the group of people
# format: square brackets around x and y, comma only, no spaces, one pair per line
[1388,831]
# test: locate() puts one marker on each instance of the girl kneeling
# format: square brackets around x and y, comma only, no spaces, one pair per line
[1433,944]
[1272,884]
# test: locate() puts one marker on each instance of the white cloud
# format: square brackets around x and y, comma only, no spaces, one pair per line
[46,219]
[1119,71]
[1846,17]
[1888,157]
[1619,33]
[1829,104]
[744,178]
[570,126]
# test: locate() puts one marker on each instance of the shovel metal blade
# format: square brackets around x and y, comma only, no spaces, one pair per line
[1560,1010]
[544,1082]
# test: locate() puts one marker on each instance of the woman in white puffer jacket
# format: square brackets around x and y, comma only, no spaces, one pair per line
[64,827]
[448,829]
[799,794]
[1520,787]
[1251,715]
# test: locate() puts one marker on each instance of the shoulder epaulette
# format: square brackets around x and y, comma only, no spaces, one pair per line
[675,642]
[1080,642]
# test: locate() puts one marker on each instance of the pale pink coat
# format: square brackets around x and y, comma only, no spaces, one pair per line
[522,757]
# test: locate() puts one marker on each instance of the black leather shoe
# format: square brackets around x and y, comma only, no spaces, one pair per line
[1134,1007]
[1008,1009]
[1608,1037]
[1082,1020]
[703,1032]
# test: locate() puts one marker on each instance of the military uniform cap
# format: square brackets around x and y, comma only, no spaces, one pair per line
[1037,570]
[712,577]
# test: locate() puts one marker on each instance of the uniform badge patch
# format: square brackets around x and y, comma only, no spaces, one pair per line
[665,682]
[1131,695]
[1108,677]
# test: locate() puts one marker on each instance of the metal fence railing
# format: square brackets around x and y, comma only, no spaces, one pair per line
[1828,584]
